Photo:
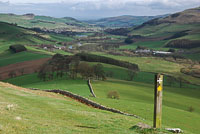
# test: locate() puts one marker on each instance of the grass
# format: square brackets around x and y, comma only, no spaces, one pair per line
[12,58]
[40,21]
[60,37]
[157,45]
[155,65]
[137,98]
[11,34]
[24,111]
[164,29]
[77,86]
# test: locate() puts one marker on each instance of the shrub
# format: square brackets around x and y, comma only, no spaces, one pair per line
[128,40]
[191,109]
[17,48]
[113,95]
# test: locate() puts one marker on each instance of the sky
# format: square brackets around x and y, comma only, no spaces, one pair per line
[95,9]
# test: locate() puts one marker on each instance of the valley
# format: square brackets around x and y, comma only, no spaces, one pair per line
[64,53]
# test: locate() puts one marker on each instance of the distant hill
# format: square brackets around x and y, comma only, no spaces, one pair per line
[181,25]
[122,21]
[33,21]
[189,16]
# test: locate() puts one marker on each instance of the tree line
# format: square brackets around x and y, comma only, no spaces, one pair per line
[107,60]
[59,66]
[184,43]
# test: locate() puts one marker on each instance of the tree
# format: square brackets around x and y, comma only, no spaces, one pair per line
[98,71]
[128,40]
[131,74]
[85,70]
[74,67]
[12,74]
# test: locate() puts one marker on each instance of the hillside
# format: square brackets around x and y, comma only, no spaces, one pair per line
[44,22]
[122,21]
[187,21]
[11,34]
[179,31]
[24,111]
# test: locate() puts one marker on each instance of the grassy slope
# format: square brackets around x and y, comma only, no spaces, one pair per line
[11,34]
[40,112]
[12,58]
[40,21]
[14,35]
[187,20]
[32,81]
[137,98]
[155,65]
[156,45]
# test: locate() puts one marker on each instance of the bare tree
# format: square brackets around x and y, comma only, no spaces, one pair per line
[12,74]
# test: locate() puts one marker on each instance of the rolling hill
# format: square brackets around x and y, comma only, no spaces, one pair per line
[179,29]
[45,23]
[187,21]
[122,21]
[24,111]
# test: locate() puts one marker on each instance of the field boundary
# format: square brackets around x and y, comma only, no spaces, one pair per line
[87,101]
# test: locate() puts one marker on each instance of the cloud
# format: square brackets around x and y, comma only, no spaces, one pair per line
[95,8]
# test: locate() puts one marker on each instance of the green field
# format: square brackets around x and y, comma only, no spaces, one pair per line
[135,97]
[40,21]
[12,58]
[11,35]
[77,86]
[155,65]
[25,111]
[164,29]
[156,45]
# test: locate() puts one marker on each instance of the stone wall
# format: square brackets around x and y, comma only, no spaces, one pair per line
[88,102]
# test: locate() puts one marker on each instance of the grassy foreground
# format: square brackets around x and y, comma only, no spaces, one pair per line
[135,98]
[27,112]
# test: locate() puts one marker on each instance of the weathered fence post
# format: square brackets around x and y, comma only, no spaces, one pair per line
[158,101]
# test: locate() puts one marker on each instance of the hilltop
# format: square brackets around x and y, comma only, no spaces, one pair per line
[44,22]
[122,21]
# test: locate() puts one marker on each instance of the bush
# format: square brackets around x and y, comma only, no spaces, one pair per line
[17,48]
[113,95]
[128,40]
[190,109]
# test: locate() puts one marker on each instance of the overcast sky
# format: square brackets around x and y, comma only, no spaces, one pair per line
[93,9]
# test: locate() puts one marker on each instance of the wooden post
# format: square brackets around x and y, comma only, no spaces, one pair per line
[158,101]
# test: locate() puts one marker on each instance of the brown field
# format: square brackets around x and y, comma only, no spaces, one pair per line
[21,68]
